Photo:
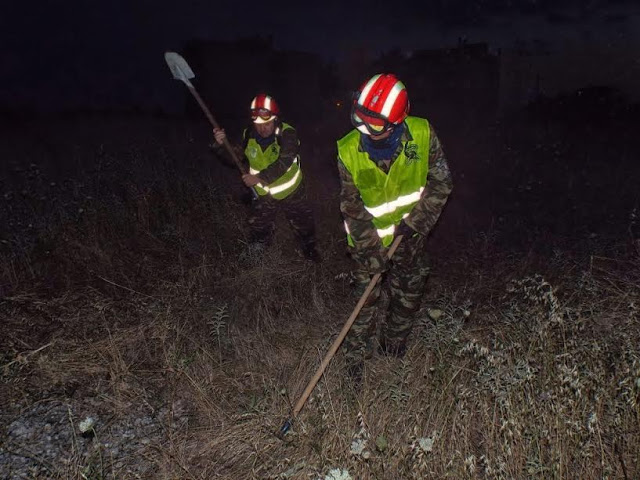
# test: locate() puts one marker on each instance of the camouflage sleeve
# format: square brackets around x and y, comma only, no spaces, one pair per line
[368,250]
[289,148]
[425,214]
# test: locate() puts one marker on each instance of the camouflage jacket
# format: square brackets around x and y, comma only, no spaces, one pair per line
[289,148]
[422,218]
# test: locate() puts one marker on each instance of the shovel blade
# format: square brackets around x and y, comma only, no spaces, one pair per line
[179,67]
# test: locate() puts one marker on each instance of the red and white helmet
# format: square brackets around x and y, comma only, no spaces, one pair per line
[263,108]
[379,104]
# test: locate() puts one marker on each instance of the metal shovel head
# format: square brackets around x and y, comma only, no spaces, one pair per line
[179,67]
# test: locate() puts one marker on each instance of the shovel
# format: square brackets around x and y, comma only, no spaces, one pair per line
[286,426]
[182,71]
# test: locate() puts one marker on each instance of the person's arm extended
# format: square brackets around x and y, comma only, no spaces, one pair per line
[426,212]
[221,151]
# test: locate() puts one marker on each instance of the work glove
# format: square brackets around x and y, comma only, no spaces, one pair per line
[370,261]
[375,261]
[412,244]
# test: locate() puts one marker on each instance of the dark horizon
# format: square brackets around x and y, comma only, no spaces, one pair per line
[111,56]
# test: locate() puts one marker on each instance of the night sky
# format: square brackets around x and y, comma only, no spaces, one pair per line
[64,55]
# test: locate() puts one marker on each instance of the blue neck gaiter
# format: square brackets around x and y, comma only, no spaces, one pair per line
[264,142]
[383,149]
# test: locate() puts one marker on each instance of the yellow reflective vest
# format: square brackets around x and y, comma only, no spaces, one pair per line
[389,197]
[259,160]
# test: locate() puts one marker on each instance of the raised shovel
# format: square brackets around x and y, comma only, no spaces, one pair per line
[182,71]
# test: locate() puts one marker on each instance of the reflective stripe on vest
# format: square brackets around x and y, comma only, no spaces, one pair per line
[392,206]
[259,160]
[389,197]
[285,185]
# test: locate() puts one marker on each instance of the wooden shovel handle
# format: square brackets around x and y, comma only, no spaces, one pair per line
[343,333]
[215,124]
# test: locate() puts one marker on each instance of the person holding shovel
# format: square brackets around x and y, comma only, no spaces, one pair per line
[271,149]
[395,180]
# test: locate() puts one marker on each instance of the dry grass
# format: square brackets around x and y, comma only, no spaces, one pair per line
[190,349]
[542,383]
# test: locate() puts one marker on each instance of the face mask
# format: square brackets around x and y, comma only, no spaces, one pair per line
[385,148]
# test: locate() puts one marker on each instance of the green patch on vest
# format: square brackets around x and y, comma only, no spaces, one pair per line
[411,153]
[252,152]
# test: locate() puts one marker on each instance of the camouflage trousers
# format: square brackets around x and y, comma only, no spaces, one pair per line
[296,209]
[405,284]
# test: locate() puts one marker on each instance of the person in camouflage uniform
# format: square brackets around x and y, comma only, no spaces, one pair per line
[395,180]
[271,148]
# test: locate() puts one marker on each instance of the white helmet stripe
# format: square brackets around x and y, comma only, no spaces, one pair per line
[367,89]
[267,102]
[391,99]
[253,103]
